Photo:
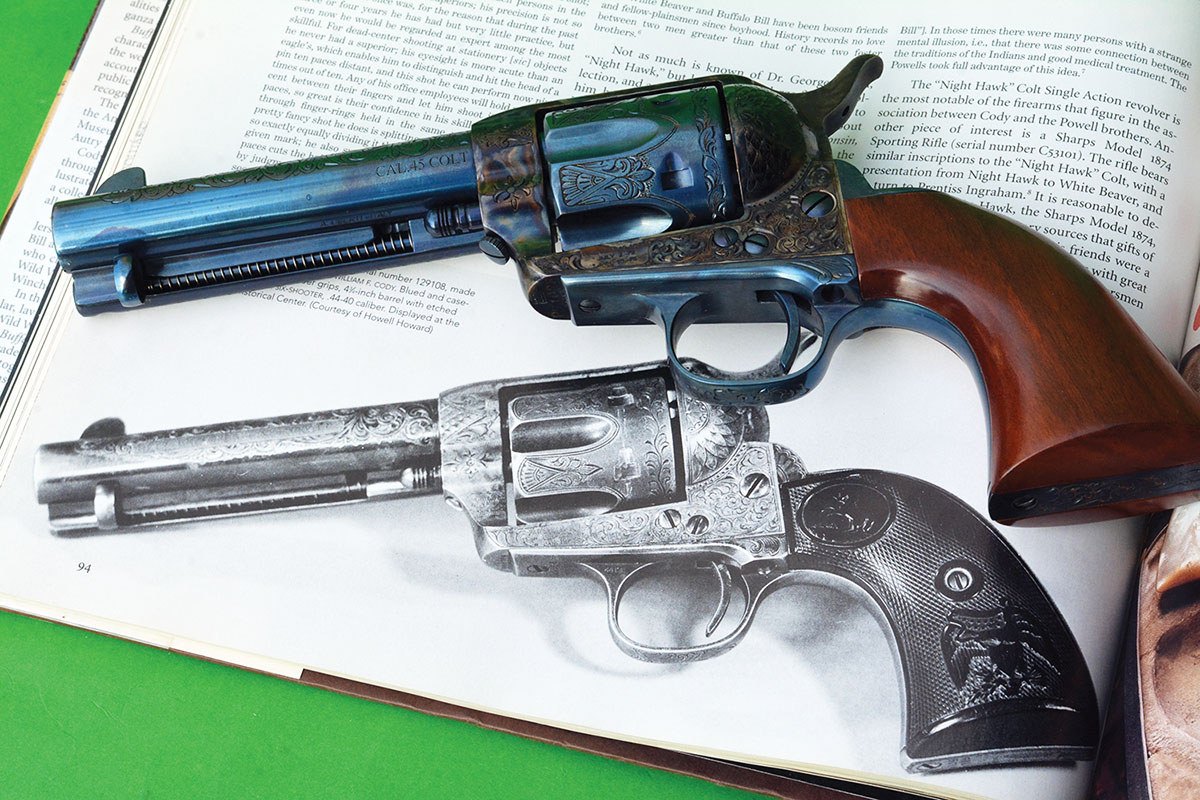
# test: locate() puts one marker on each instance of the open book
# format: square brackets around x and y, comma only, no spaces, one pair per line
[1073,123]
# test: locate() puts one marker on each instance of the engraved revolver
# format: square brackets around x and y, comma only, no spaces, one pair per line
[708,200]
[617,474]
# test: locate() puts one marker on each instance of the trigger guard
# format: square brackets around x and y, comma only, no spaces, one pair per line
[768,384]
[752,589]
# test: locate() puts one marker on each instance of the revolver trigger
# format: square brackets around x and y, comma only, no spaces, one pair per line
[726,583]
[796,340]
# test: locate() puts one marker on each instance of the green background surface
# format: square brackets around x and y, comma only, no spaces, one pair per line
[82,715]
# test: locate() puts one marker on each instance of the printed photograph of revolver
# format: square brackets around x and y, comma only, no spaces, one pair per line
[708,200]
[619,474]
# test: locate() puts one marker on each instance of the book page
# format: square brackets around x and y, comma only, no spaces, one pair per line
[394,592]
[67,158]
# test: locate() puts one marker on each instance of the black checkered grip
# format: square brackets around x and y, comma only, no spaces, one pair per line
[991,673]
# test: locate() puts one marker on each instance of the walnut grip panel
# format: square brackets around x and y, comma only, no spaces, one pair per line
[990,671]
[1088,419]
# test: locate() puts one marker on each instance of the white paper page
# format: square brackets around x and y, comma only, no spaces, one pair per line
[394,593]
[67,158]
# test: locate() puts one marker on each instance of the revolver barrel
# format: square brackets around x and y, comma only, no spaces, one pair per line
[353,210]
[532,451]
[107,480]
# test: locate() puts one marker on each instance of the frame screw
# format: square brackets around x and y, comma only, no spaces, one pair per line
[756,243]
[725,237]
[755,485]
[494,248]
[817,204]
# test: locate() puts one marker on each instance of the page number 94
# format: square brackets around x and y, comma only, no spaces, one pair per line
[82,567]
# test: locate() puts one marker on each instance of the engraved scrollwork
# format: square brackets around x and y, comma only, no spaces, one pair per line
[380,422]
[671,251]
[467,418]
[766,395]
[709,139]
[764,546]
[730,516]
[629,528]
[402,423]
[507,162]
[539,475]
[472,462]
[514,193]
[502,138]
[1098,492]
[711,434]
[607,180]
[788,465]
[612,436]
[736,514]
[642,411]
[785,228]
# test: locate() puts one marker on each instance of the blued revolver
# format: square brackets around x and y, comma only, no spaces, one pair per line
[716,200]
[615,475]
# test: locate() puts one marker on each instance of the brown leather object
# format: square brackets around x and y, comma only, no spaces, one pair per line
[1168,649]
[1180,560]
[719,772]
[1179,563]
[1075,391]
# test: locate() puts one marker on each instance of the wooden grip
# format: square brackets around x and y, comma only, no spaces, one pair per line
[1087,417]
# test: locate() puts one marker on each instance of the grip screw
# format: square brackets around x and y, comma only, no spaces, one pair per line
[958,580]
